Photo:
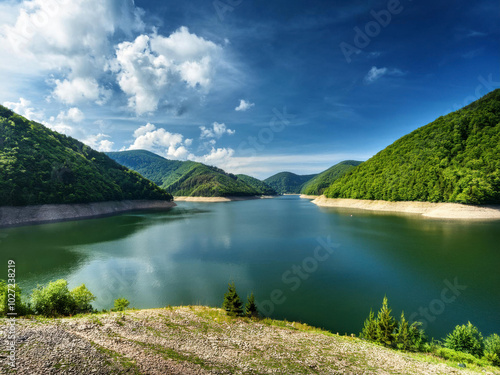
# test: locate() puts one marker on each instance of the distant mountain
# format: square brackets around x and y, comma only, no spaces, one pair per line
[456,158]
[287,182]
[184,178]
[318,184]
[261,187]
[40,166]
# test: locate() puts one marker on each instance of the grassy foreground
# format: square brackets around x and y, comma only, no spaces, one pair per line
[203,340]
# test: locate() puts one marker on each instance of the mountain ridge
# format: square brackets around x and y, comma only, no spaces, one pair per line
[453,159]
[322,181]
[288,182]
[186,178]
[41,166]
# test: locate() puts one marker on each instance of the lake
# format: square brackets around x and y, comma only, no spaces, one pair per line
[324,267]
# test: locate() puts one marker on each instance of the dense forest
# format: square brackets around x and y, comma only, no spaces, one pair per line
[261,187]
[184,178]
[287,182]
[39,166]
[318,184]
[453,159]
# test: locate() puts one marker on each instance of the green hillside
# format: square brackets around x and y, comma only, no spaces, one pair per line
[183,178]
[261,187]
[287,182]
[318,184]
[40,166]
[456,158]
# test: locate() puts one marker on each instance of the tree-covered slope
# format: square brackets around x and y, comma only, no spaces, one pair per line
[39,166]
[318,184]
[456,158]
[287,182]
[183,178]
[261,187]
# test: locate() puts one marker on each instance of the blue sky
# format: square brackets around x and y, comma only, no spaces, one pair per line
[254,87]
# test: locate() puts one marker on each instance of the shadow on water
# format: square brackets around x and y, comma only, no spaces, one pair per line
[47,249]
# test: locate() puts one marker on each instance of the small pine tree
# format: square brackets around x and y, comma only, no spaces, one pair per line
[386,325]
[121,304]
[251,308]
[417,336]
[370,327]
[403,341]
[232,303]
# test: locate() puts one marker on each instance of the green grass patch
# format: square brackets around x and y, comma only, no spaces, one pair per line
[172,354]
[124,362]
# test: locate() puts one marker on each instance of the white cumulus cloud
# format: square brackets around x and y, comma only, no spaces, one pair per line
[160,141]
[73,39]
[80,90]
[23,108]
[152,67]
[73,114]
[216,131]
[99,142]
[244,106]
[217,156]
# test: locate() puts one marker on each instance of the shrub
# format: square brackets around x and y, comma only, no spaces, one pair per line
[251,308]
[56,299]
[53,299]
[18,307]
[466,339]
[232,303]
[121,304]
[492,357]
[492,349]
[453,355]
[82,297]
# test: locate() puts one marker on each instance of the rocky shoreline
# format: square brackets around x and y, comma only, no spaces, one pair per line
[26,215]
[427,209]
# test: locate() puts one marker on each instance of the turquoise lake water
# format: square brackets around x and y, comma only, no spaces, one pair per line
[324,267]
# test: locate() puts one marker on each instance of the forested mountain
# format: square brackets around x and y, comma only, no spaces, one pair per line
[456,158]
[287,182]
[261,187]
[184,178]
[39,166]
[318,184]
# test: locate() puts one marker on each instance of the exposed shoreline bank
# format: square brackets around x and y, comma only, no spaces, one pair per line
[305,196]
[219,199]
[427,209]
[27,215]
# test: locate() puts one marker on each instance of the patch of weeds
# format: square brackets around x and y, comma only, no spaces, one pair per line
[119,320]
[172,354]
[453,358]
[217,315]
[169,324]
[94,319]
[124,362]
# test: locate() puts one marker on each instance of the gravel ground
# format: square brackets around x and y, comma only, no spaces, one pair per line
[200,340]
